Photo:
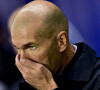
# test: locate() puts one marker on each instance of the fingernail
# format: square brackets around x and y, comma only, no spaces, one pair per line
[16,58]
[18,55]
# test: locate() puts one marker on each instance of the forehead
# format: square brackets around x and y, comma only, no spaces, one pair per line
[25,27]
[29,30]
[26,33]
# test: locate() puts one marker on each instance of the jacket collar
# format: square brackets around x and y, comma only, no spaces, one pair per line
[82,64]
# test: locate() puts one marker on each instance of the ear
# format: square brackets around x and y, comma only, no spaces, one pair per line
[62,41]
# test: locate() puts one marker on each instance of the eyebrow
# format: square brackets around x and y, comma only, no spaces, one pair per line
[28,44]
[25,45]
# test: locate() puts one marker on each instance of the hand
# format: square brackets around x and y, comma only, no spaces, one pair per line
[35,74]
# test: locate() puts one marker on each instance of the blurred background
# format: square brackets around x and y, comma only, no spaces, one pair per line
[84,26]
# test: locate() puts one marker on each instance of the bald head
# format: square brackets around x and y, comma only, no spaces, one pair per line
[43,13]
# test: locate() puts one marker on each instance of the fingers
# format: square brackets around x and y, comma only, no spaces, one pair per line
[25,71]
[17,57]
[23,64]
[26,65]
[18,64]
[30,64]
[26,68]
[34,73]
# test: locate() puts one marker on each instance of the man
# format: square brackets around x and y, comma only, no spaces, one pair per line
[45,56]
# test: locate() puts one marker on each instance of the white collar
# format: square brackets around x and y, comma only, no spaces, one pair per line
[75,48]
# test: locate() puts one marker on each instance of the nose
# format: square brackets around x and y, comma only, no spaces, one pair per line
[22,54]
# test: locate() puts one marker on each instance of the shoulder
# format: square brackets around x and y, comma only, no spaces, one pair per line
[97,67]
[96,71]
[96,76]
[94,82]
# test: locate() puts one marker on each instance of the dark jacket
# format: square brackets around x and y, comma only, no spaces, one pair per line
[82,73]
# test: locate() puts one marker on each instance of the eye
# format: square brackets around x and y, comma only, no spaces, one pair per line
[32,47]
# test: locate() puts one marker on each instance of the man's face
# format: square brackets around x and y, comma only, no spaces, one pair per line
[33,47]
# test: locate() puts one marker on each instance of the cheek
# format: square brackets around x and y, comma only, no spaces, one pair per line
[38,56]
